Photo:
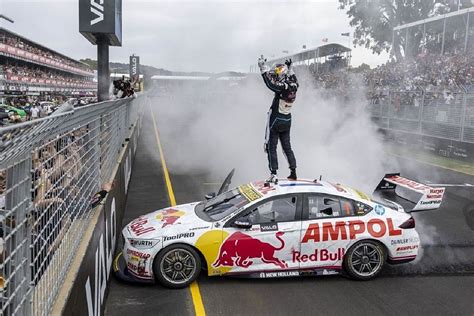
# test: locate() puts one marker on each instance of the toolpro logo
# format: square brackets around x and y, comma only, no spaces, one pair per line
[239,249]
[169,216]
[97,8]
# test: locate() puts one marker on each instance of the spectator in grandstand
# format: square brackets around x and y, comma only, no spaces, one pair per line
[35,111]
[282,81]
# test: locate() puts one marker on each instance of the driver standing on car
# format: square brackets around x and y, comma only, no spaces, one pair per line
[282,81]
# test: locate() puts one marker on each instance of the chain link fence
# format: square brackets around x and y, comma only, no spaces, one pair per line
[446,115]
[49,171]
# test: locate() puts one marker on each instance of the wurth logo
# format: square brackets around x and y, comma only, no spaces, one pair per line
[97,7]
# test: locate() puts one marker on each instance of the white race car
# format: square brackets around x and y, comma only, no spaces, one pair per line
[263,230]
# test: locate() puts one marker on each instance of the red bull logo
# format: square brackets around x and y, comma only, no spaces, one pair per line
[169,216]
[138,226]
[239,249]
[319,255]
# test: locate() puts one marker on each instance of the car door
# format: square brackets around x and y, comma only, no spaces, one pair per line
[325,231]
[262,237]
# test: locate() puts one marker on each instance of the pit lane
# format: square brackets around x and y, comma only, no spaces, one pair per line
[442,282]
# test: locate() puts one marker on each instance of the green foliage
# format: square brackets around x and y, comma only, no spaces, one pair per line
[374,20]
[90,62]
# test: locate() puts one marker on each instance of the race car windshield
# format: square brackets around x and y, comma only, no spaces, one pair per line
[224,204]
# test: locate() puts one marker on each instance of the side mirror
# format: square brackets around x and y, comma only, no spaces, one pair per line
[242,223]
[210,195]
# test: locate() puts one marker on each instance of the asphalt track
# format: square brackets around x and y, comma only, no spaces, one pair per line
[441,283]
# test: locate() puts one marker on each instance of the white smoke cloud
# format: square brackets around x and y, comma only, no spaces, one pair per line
[215,127]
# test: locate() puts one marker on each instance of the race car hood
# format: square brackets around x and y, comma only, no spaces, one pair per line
[165,222]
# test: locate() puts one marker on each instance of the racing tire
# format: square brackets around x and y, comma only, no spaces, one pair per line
[364,260]
[177,266]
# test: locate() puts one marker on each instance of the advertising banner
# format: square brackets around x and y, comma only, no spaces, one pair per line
[134,67]
[101,18]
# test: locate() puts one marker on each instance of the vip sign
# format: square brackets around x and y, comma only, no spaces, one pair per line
[101,18]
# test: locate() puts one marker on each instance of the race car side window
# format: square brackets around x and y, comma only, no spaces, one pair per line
[275,211]
[324,206]
[361,208]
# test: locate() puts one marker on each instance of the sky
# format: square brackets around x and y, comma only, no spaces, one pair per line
[192,35]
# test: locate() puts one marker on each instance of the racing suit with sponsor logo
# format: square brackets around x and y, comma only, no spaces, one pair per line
[279,119]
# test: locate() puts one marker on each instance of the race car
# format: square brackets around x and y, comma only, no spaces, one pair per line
[265,230]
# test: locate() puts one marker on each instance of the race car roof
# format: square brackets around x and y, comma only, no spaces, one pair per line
[259,189]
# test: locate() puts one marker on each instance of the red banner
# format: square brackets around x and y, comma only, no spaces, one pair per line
[27,55]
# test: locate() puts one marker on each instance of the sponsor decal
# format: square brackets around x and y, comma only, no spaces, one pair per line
[139,268]
[430,202]
[169,216]
[239,249]
[179,236]
[379,209]
[406,248]
[249,192]
[137,262]
[269,227]
[409,183]
[138,226]
[278,274]
[319,255]
[325,231]
[199,228]
[329,272]
[404,241]
[140,243]
[135,255]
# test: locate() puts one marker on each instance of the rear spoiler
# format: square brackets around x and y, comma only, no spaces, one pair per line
[425,197]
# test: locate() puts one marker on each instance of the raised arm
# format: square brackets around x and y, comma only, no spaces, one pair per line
[272,85]
[264,69]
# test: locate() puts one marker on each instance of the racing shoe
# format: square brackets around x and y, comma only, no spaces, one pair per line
[292,176]
[273,179]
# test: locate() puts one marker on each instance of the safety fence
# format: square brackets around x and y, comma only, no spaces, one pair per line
[444,115]
[49,171]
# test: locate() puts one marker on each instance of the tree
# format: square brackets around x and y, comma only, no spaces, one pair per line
[374,20]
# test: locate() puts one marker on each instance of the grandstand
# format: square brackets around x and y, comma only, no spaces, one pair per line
[446,33]
[327,57]
[31,71]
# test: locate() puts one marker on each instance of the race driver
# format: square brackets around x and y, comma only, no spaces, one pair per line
[282,81]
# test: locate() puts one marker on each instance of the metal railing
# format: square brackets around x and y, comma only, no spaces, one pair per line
[446,115]
[49,171]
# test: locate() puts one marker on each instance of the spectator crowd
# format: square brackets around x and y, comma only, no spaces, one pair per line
[43,73]
[427,72]
[17,42]
[430,72]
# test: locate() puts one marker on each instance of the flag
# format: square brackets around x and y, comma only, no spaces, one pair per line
[285,51]
[325,40]
[304,46]
[346,34]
